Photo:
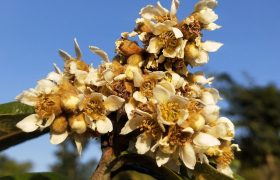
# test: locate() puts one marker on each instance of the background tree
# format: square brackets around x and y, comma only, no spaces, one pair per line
[68,162]
[9,166]
[256,111]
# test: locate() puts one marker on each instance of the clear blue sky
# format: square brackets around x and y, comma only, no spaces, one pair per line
[32,31]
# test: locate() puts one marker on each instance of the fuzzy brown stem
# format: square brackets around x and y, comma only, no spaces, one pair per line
[106,158]
[100,172]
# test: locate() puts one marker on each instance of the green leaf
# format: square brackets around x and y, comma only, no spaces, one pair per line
[206,171]
[142,164]
[35,176]
[10,114]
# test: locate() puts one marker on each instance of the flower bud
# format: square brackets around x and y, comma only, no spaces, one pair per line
[134,60]
[77,123]
[197,122]
[127,47]
[59,125]
[191,51]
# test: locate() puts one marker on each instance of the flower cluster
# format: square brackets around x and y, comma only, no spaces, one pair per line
[174,110]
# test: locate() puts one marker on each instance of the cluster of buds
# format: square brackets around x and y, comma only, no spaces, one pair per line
[175,111]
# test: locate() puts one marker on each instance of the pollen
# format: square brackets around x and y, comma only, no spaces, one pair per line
[170,111]
[122,89]
[94,108]
[168,39]
[47,105]
[147,87]
[59,125]
[226,157]
[177,136]
[151,127]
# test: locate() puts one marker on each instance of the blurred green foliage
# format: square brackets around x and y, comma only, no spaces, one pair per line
[256,113]
[9,166]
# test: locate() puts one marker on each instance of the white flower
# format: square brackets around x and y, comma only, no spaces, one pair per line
[170,40]
[146,85]
[96,108]
[224,129]
[160,13]
[47,105]
[171,108]
[197,53]
[150,127]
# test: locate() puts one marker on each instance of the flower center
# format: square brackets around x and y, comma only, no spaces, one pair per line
[147,87]
[191,30]
[151,127]
[47,105]
[168,40]
[94,108]
[122,89]
[161,18]
[170,111]
[177,137]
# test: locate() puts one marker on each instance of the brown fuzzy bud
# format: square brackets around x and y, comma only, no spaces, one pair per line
[127,47]
[59,125]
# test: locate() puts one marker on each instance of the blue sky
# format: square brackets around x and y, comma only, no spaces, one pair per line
[32,31]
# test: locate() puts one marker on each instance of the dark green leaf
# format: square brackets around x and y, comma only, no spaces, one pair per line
[206,171]
[142,164]
[10,114]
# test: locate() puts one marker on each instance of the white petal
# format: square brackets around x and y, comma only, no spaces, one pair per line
[206,140]
[104,126]
[28,97]
[207,98]
[99,52]
[45,86]
[137,78]
[77,49]
[138,96]
[174,7]
[168,86]
[162,158]
[206,4]
[129,107]
[108,75]
[177,32]
[79,143]
[64,55]
[120,77]
[131,125]
[154,45]
[143,144]
[113,103]
[48,122]
[149,12]
[211,46]
[212,27]
[184,114]
[161,94]
[58,138]
[187,155]
[53,76]
[189,130]
[163,11]
[202,58]
[28,124]
[225,170]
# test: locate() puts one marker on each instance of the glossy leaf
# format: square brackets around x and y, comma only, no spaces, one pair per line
[10,114]
[142,164]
